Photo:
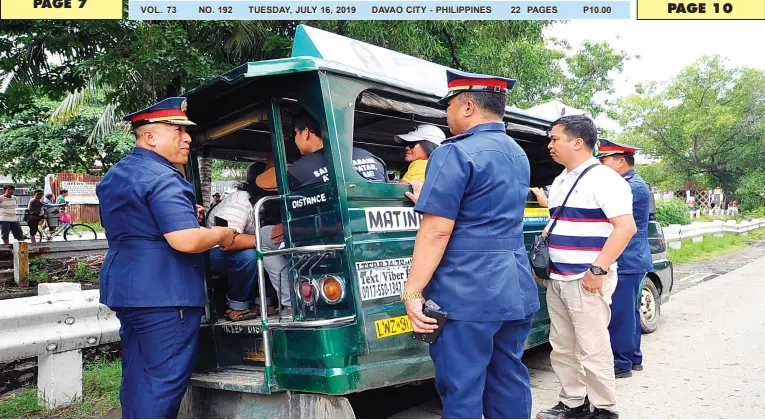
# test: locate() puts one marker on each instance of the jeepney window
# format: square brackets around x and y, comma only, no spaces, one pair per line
[303,146]
[233,146]
[380,116]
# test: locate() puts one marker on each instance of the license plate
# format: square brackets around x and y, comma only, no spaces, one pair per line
[389,327]
[252,350]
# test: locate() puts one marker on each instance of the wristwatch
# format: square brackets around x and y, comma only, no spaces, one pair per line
[598,271]
[410,295]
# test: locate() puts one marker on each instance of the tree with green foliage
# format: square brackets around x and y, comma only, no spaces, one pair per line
[32,147]
[121,66]
[751,191]
[707,124]
[659,175]
[673,212]
[134,63]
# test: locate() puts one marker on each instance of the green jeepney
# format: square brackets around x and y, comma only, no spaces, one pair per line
[346,231]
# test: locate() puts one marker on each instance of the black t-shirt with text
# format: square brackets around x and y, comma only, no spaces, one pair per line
[311,169]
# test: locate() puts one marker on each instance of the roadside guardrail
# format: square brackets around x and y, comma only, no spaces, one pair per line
[675,234]
[54,327]
[21,252]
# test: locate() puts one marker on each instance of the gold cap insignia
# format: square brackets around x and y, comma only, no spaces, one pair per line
[184,106]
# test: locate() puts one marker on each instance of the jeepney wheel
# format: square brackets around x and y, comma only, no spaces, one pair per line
[650,307]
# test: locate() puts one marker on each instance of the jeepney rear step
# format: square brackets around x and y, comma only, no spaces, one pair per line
[233,393]
[247,327]
[250,379]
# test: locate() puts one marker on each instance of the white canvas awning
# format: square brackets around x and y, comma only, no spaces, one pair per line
[555,109]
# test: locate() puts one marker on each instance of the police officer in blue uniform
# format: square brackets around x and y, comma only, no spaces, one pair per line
[152,276]
[634,263]
[470,259]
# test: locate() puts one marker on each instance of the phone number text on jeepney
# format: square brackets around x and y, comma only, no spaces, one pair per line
[382,278]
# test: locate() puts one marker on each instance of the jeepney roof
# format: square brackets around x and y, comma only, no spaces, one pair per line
[307,41]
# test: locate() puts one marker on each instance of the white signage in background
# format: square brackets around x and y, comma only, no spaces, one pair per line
[382,278]
[80,192]
[48,188]
[392,219]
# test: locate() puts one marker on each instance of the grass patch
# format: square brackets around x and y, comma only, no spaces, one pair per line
[712,247]
[712,218]
[84,272]
[101,394]
[38,272]
[96,226]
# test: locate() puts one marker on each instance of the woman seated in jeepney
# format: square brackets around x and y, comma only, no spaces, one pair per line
[420,143]
[309,170]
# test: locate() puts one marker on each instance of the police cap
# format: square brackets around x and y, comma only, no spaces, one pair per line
[610,148]
[168,111]
[460,81]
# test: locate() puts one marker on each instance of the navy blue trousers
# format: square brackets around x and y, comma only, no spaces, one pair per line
[479,372]
[624,328]
[159,349]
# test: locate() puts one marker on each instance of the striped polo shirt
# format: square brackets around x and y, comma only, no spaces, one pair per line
[8,208]
[237,211]
[583,226]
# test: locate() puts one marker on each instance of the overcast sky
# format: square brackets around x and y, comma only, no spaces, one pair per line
[666,47]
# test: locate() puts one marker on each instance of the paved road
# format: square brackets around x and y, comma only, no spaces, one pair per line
[689,275]
[705,361]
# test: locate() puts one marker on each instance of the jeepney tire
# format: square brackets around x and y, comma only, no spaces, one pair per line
[650,307]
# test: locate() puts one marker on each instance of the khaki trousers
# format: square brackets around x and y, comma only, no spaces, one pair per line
[581,354]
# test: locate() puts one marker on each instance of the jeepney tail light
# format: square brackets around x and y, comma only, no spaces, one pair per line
[306,291]
[332,288]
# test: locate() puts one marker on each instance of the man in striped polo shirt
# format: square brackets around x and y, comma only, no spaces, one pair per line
[593,229]
[8,221]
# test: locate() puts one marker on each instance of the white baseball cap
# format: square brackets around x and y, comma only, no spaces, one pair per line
[427,132]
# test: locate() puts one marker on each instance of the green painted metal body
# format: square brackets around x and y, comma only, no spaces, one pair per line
[349,358]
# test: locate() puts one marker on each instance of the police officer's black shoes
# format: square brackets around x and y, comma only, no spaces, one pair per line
[622,373]
[562,411]
[601,413]
[637,368]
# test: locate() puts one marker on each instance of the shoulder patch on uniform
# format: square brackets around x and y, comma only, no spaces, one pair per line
[459,137]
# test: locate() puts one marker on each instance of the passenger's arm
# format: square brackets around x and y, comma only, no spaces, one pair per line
[196,240]
[415,194]
[242,241]
[541,197]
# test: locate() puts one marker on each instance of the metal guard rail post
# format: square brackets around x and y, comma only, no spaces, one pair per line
[54,327]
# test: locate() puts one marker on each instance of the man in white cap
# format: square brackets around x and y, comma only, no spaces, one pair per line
[420,143]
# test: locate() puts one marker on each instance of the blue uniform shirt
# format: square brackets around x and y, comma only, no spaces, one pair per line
[636,257]
[143,197]
[480,179]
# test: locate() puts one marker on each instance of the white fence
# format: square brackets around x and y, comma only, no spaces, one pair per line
[54,327]
[730,211]
[674,234]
